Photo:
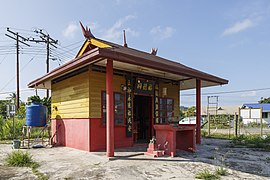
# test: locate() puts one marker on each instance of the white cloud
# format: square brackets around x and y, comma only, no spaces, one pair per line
[162,33]
[115,32]
[249,94]
[238,27]
[70,30]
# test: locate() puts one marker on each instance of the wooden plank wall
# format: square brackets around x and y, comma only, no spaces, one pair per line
[97,84]
[71,97]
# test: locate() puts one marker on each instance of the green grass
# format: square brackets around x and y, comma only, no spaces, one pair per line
[252,141]
[5,142]
[20,159]
[204,133]
[221,171]
[24,159]
[207,175]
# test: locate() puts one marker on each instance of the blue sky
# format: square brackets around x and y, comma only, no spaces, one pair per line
[229,38]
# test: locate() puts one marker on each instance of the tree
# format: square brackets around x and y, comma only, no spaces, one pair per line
[45,101]
[190,111]
[3,107]
[12,98]
[264,100]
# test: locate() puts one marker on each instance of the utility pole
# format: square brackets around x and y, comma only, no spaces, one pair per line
[45,38]
[19,39]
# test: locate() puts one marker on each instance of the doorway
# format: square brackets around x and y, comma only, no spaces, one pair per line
[142,118]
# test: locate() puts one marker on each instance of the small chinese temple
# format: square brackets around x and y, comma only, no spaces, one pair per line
[112,96]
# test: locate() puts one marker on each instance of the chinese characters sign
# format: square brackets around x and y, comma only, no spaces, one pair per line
[144,86]
[129,106]
[156,103]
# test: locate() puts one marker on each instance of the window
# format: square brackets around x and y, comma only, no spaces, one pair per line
[119,108]
[165,110]
[265,115]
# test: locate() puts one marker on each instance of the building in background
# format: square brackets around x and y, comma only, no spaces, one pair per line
[252,113]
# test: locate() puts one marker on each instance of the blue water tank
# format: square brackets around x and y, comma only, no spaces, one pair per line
[36,114]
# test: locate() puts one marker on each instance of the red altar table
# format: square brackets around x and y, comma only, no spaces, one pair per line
[171,137]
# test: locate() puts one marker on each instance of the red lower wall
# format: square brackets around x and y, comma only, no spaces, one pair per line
[87,134]
[98,136]
[72,133]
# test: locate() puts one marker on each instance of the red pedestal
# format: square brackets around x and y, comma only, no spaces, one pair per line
[170,138]
[153,150]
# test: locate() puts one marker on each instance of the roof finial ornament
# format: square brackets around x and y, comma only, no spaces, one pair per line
[86,32]
[125,41]
[154,51]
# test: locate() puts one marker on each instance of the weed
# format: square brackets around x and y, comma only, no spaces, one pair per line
[252,141]
[20,159]
[24,159]
[221,171]
[207,175]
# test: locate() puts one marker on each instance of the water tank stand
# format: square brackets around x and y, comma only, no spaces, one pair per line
[26,136]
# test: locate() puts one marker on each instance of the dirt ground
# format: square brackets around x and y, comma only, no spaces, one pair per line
[68,163]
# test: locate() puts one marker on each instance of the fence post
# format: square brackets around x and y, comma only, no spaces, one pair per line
[261,132]
[208,118]
[238,120]
[235,124]
[229,120]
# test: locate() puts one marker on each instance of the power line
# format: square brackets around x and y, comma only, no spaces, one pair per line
[3,59]
[228,92]
[19,39]
[20,71]
[21,90]
[49,41]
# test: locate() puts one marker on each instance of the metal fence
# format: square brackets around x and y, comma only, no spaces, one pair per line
[231,125]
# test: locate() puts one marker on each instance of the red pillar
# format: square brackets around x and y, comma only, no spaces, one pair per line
[198,111]
[110,109]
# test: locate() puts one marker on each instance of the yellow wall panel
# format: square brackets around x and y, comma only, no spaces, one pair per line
[97,84]
[70,97]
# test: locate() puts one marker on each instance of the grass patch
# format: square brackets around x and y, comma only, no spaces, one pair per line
[217,135]
[20,159]
[207,175]
[221,171]
[252,141]
[24,159]
[5,142]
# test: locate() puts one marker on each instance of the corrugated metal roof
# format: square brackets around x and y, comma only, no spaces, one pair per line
[265,107]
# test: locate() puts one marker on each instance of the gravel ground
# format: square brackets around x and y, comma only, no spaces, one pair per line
[68,163]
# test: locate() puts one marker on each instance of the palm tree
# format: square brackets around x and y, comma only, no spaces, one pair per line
[12,98]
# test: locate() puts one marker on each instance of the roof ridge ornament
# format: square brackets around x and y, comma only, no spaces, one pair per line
[86,32]
[125,40]
[154,51]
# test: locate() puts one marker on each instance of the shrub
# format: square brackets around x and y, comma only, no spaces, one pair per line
[20,159]
[6,128]
[221,171]
[253,141]
[207,175]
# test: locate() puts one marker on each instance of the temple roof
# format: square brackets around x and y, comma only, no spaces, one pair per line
[95,51]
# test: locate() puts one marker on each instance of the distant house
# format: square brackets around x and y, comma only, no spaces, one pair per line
[253,113]
[229,110]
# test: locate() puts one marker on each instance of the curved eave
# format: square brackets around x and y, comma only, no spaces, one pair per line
[86,59]
[181,73]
